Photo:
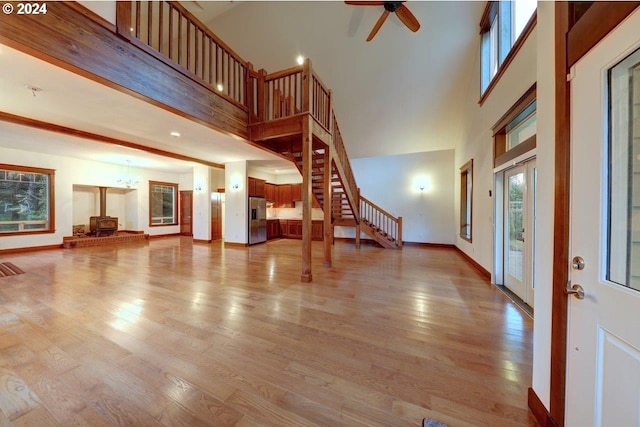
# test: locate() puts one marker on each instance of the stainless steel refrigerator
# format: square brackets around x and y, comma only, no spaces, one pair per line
[257,220]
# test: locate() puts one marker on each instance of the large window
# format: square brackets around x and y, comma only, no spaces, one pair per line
[466,198]
[501,27]
[26,200]
[515,133]
[163,203]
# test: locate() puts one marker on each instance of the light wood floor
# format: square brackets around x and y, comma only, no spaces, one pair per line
[174,334]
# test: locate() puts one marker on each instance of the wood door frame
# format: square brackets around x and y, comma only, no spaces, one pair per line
[594,25]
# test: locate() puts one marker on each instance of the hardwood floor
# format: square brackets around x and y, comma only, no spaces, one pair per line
[174,334]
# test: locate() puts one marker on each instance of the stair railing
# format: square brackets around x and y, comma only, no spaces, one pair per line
[348,179]
[320,104]
[381,220]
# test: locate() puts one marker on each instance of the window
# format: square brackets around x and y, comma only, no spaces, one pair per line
[466,198]
[163,203]
[501,26]
[515,133]
[26,200]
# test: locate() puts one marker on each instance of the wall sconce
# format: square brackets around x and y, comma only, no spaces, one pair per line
[198,188]
[235,187]
[422,185]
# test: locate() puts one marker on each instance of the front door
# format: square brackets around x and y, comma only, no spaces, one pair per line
[519,229]
[186,208]
[603,345]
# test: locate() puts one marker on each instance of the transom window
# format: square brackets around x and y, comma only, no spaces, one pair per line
[163,203]
[501,27]
[26,199]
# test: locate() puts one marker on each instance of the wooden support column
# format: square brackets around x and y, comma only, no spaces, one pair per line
[307,155]
[307,158]
[327,238]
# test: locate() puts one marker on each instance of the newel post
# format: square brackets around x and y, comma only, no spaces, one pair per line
[306,85]
[248,85]
[262,74]
[399,231]
[357,203]
[123,18]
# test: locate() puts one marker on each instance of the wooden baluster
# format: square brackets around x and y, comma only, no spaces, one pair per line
[295,92]
[204,57]
[137,19]
[161,27]
[229,74]
[196,54]
[188,44]
[171,32]
[149,22]
[179,37]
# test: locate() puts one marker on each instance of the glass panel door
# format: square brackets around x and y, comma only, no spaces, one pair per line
[514,232]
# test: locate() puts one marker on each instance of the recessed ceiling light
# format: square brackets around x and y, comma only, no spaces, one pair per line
[300,59]
[175,134]
[220,87]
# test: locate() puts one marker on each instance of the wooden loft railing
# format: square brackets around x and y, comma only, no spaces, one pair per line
[285,94]
[169,31]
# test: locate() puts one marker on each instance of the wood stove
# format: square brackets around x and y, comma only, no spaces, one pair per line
[103,225]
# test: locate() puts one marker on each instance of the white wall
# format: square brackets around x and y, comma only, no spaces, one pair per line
[392,182]
[201,215]
[534,63]
[236,203]
[133,208]
[477,144]
[86,203]
[105,9]
[544,231]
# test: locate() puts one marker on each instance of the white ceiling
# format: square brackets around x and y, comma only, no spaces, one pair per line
[73,101]
[401,93]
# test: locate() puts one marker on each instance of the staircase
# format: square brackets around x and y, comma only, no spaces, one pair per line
[286,112]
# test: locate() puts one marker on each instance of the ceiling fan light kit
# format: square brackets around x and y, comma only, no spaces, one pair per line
[397,7]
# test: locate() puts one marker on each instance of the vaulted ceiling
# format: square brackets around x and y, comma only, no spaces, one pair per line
[403,92]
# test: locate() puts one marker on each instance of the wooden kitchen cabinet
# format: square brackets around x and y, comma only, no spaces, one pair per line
[260,187]
[296,192]
[292,229]
[284,196]
[255,187]
[273,229]
[316,230]
[270,193]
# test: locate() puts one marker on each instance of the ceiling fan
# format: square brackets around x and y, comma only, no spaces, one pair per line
[403,13]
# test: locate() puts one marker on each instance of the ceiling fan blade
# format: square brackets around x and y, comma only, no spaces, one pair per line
[365,3]
[407,18]
[376,27]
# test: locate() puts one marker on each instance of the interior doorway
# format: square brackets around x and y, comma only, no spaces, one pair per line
[515,229]
[216,216]
[186,209]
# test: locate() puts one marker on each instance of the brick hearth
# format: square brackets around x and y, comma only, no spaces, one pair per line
[120,238]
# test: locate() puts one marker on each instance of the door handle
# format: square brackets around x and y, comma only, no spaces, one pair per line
[575,290]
